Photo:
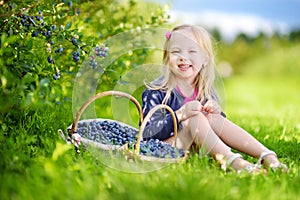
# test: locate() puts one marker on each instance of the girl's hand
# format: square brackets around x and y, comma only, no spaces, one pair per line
[212,107]
[188,110]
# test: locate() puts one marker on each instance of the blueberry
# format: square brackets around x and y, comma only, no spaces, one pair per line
[76,58]
[50,60]
[74,41]
[59,50]
[70,3]
[35,34]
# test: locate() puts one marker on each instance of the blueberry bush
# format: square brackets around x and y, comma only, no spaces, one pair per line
[44,43]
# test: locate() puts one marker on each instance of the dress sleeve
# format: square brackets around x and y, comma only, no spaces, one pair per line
[160,124]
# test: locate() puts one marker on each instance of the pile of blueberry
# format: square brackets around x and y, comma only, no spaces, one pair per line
[113,133]
[160,149]
[106,132]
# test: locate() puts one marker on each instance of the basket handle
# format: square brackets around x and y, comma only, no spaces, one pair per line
[143,125]
[100,95]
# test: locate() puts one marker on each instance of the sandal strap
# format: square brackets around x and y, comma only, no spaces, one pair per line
[233,157]
[263,155]
[230,160]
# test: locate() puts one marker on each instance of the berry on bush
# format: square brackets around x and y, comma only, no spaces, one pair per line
[50,60]
[55,77]
[74,41]
[59,50]
[35,34]
[76,56]
[101,51]
[93,62]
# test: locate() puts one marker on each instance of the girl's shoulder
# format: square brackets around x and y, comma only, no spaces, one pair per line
[154,93]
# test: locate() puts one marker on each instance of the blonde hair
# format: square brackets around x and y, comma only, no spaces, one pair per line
[206,76]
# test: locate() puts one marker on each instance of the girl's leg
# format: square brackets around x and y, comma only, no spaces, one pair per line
[197,129]
[237,138]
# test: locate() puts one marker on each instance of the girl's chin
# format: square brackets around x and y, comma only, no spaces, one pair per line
[186,76]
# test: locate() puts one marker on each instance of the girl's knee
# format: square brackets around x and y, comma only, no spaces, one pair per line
[196,120]
[214,118]
[199,116]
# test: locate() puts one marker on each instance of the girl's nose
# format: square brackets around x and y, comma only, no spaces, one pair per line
[182,58]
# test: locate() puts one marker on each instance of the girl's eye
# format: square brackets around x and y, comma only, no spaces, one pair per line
[175,51]
[193,51]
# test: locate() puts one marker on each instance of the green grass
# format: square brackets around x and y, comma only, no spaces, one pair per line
[37,164]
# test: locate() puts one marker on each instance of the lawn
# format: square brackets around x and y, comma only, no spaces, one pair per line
[37,164]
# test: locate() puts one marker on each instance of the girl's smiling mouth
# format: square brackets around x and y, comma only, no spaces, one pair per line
[184,66]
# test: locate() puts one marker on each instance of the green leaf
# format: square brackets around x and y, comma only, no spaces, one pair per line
[44,82]
[68,26]
[11,31]
[3,38]
[29,44]
[11,39]
[28,78]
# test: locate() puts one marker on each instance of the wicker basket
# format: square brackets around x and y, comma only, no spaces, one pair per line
[76,139]
[131,154]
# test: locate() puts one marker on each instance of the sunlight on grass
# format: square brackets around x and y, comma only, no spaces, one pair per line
[249,95]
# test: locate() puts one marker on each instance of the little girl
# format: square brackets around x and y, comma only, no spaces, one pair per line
[187,87]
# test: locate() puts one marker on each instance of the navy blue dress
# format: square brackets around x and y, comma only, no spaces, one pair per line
[160,126]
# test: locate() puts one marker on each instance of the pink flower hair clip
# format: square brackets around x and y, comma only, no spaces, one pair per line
[168,35]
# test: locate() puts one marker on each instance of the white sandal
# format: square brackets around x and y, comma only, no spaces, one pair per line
[249,168]
[272,166]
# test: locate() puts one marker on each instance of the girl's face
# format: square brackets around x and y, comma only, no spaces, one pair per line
[186,58]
